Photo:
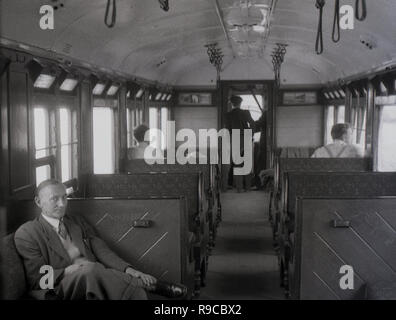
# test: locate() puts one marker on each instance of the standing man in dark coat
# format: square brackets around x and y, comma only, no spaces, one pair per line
[239,119]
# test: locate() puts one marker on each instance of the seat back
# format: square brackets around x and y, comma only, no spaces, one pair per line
[283,165]
[337,184]
[156,184]
[141,166]
[335,232]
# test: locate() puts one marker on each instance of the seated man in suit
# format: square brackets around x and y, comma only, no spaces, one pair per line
[82,264]
[342,146]
[143,148]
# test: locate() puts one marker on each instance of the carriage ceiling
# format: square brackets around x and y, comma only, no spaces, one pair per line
[168,47]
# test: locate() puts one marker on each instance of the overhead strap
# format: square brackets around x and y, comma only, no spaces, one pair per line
[319,38]
[110,23]
[336,23]
[361,16]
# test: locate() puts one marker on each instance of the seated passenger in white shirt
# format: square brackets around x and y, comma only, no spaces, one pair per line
[342,146]
[140,151]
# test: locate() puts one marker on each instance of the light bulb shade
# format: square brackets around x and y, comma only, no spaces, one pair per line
[135,90]
[113,89]
[67,80]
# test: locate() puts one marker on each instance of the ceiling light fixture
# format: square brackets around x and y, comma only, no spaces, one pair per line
[278,55]
[215,57]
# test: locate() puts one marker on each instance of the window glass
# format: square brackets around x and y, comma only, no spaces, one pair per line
[43,173]
[164,119]
[128,116]
[386,139]
[98,89]
[155,139]
[329,123]
[41,132]
[361,131]
[103,133]
[68,85]
[340,114]
[65,140]
[44,81]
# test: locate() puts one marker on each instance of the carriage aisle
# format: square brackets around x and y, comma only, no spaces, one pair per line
[243,265]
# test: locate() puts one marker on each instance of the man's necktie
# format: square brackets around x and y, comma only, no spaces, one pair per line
[62,229]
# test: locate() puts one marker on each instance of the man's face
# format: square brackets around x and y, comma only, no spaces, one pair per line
[53,201]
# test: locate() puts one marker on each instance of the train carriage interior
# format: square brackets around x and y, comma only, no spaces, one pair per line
[305,210]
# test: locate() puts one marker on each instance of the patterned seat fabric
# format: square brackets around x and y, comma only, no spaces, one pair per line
[147,185]
[140,166]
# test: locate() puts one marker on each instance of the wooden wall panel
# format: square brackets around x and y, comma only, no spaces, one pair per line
[4,181]
[19,131]
[299,126]
[86,137]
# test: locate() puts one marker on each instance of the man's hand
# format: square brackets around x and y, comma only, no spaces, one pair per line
[146,278]
[77,265]
[72,268]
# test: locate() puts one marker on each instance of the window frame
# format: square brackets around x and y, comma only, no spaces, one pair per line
[379,108]
[134,114]
[52,101]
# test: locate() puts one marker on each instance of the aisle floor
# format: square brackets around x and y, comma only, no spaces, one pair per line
[243,265]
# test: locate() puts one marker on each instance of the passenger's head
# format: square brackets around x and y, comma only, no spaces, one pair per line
[236,101]
[51,198]
[139,132]
[342,131]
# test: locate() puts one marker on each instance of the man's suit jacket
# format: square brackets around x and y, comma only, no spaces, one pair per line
[38,244]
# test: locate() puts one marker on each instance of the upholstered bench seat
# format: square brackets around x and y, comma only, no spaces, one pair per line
[13,274]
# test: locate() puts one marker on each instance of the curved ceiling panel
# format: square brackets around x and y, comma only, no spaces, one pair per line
[169,46]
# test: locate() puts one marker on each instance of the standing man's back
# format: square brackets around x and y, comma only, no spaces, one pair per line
[241,120]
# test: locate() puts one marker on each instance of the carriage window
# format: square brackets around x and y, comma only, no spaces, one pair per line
[43,173]
[104,145]
[68,144]
[361,128]
[41,132]
[329,123]
[132,122]
[340,114]
[155,139]
[386,139]
[164,119]
[134,119]
[43,148]
[65,140]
